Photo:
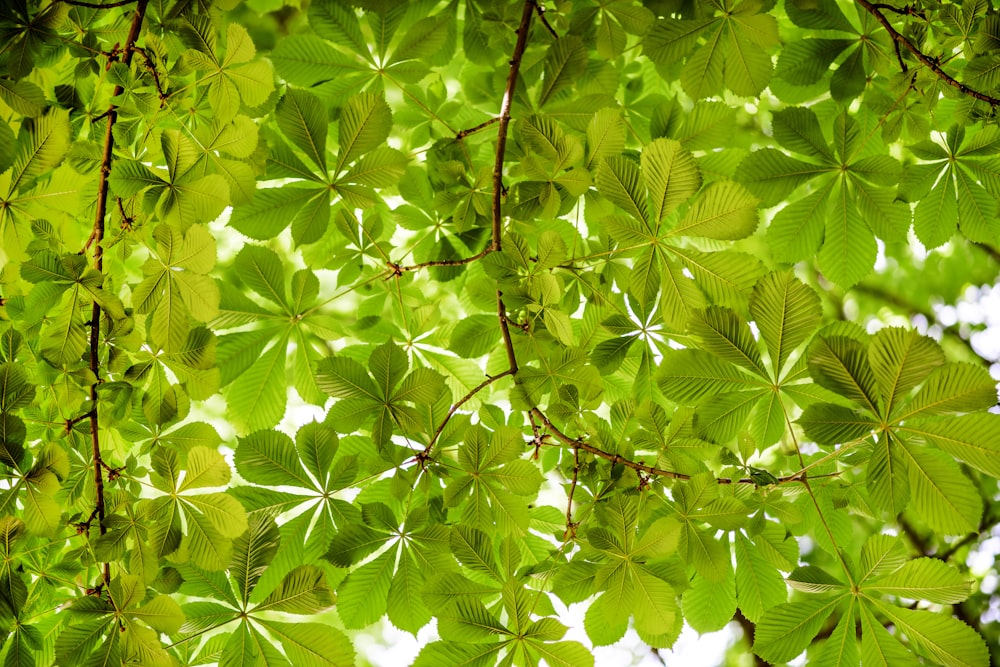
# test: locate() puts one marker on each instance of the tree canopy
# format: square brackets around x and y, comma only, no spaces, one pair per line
[322,312]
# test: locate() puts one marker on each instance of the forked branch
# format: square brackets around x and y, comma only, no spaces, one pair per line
[927,61]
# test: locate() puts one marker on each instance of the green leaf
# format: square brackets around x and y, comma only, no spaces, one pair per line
[953,388]
[972,438]
[365,122]
[620,180]
[709,605]
[840,364]
[759,585]
[724,211]
[925,579]
[944,639]
[565,61]
[786,312]
[724,333]
[841,648]
[304,590]
[345,378]
[900,360]
[312,644]
[787,629]
[269,458]
[302,118]
[361,598]
[672,176]
[878,647]
[261,270]
[253,551]
[941,494]
[257,398]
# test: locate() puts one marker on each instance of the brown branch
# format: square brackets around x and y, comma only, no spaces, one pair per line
[97,5]
[749,632]
[927,61]
[505,331]
[993,253]
[504,119]
[97,236]
[579,443]
[70,423]
[400,269]
[908,10]
[545,22]
[570,524]
[908,309]
[151,68]
[454,408]
[462,134]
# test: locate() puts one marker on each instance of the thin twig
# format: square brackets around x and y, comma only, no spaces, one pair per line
[96,237]
[540,10]
[928,62]
[97,5]
[400,269]
[579,443]
[151,68]
[908,10]
[459,403]
[462,134]
[70,423]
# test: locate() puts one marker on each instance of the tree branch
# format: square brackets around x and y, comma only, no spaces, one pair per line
[504,119]
[399,269]
[462,134]
[927,61]
[97,5]
[749,632]
[540,10]
[459,403]
[97,235]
